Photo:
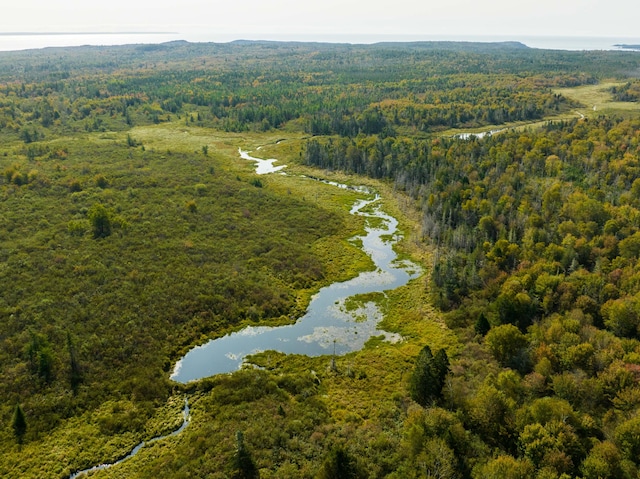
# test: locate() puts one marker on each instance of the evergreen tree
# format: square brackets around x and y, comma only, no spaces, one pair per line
[40,356]
[242,465]
[339,465]
[428,377]
[19,424]
[482,325]
[441,369]
[75,375]
[422,385]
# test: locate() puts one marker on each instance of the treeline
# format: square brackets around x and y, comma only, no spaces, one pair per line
[630,91]
[232,102]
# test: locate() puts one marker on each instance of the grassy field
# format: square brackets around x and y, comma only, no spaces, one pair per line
[596,100]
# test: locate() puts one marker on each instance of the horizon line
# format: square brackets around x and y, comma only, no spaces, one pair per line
[22,34]
[332,34]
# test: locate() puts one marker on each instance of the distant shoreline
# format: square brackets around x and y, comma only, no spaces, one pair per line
[624,46]
[33,34]
[20,41]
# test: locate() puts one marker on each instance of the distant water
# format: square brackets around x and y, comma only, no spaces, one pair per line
[30,41]
[9,42]
[578,43]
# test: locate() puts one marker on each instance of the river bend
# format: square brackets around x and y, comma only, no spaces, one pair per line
[327,324]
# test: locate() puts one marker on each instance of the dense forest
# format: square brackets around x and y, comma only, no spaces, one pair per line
[132,232]
[328,90]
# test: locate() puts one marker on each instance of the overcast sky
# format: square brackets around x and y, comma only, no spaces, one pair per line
[617,18]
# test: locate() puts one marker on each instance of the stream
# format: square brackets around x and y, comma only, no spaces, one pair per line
[479,135]
[331,325]
[185,422]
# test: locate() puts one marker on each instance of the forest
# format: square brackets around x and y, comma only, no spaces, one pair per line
[133,232]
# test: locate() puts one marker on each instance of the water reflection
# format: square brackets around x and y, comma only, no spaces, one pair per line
[328,323]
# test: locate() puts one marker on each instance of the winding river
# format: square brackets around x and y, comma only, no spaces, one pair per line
[329,326]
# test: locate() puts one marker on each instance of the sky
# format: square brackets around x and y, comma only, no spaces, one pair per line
[606,18]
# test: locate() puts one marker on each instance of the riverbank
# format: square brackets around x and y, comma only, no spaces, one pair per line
[328,327]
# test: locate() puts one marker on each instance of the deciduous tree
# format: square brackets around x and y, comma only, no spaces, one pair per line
[100,221]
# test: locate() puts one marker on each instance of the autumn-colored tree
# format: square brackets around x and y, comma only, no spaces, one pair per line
[506,343]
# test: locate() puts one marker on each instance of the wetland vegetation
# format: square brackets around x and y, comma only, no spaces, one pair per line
[132,231]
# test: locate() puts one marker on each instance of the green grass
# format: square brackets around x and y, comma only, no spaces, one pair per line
[597,99]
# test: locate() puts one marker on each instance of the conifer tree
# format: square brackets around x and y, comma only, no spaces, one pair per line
[482,325]
[441,369]
[428,377]
[19,424]
[242,465]
[75,375]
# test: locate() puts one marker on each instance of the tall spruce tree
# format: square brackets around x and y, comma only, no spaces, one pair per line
[482,325]
[19,424]
[428,377]
[242,465]
[75,375]
[441,369]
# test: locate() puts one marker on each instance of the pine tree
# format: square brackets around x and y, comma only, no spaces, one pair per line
[482,325]
[428,377]
[19,424]
[242,465]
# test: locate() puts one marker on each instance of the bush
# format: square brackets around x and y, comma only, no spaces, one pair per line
[100,221]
